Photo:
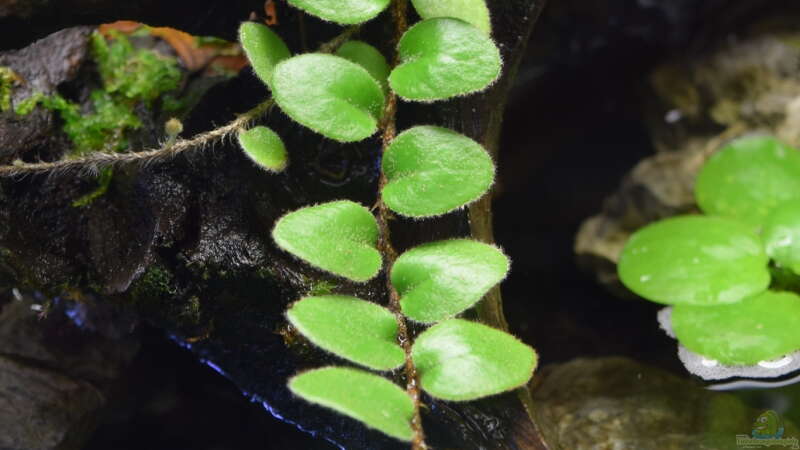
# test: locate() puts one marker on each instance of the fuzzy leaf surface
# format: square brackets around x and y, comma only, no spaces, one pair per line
[438,280]
[351,328]
[433,170]
[330,95]
[443,58]
[263,48]
[338,237]
[345,12]
[373,400]
[474,12]
[462,360]
[758,328]
[369,58]
[264,147]
[748,178]
[781,235]
[695,260]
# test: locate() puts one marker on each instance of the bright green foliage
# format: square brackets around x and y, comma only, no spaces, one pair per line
[103,182]
[474,12]
[432,171]
[374,400]
[330,95]
[369,58]
[101,130]
[696,260]
[345,12]
[748,178]
[441,279]
[462,360]
[429,171]
[762,327]
[351,328]
[781,235]
[339,237]
[263,48]
[135,74]
[443,58]
[264,147]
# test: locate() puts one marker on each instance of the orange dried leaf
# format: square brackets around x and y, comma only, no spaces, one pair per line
[270,12]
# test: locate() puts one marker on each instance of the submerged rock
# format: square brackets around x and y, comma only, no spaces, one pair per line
[56,376]
[617,403]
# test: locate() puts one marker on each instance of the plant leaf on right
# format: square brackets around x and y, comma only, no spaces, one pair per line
[716,270]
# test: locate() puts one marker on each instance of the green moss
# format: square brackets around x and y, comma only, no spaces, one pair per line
[132,73]
[157,295]
[191,311]
[130,77]
[156,283]
[171,103]
[7,80]
[104,129]
[103,182]
[322,288]
[210,40]
[26,106]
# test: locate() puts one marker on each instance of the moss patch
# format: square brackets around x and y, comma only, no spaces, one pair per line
[7,80]
[133,74]
[130,76]
[103,182]
[156,283]
[322,287]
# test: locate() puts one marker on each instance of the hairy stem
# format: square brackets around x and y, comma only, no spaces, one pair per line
[92,163]
[389,131]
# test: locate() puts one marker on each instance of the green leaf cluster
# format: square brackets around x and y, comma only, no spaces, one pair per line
[456,359]
[715,268]
[430,171]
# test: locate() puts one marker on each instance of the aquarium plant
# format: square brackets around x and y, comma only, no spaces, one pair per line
[729,274]
[348,92]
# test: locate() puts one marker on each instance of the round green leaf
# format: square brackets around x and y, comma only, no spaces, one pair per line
[432,171]
[781,235]
[329,94]
[695,260]
[360,331]
[373,400]
[339,237]
[263,48]
[441,279]
[443,58]
[345,12]
[462,360]
[474,12]
[264,147]
[369,58]
[748,178]
[759,328]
